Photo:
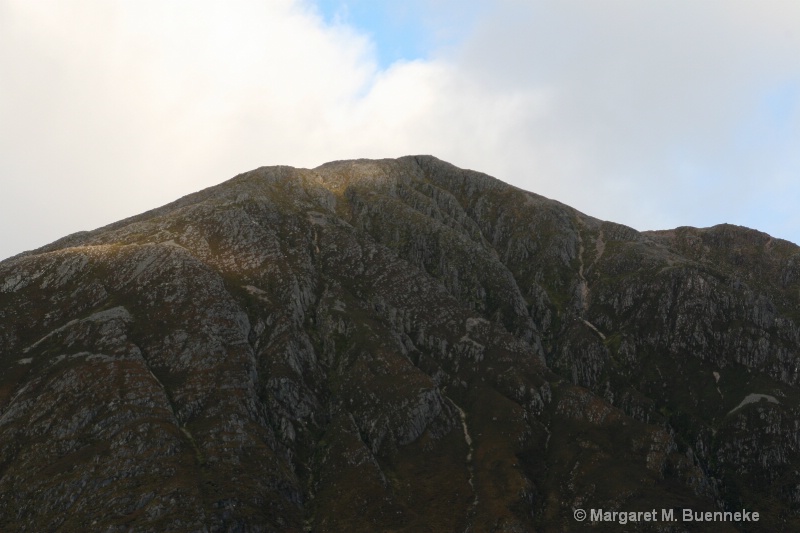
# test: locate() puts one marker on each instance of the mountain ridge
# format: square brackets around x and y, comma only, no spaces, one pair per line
[394,344]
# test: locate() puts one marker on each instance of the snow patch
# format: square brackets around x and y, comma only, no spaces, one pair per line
[753,398]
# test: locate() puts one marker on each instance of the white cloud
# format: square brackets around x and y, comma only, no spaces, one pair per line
[110,108]
[642,113]
[650,99]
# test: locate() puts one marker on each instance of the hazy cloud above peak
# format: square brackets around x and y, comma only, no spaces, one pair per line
[653,114]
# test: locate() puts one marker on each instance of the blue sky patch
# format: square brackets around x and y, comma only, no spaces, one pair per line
[393,26]
[781,104]
[408,30]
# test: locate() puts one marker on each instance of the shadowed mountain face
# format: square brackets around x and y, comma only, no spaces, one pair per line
[395,345]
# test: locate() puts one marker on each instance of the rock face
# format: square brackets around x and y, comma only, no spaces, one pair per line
[395,345]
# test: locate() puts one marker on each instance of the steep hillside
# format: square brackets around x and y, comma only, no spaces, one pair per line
[395,345]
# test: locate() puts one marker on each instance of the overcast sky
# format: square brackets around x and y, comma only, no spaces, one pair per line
[654,114]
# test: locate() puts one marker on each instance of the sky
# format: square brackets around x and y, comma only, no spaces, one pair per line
[652,114]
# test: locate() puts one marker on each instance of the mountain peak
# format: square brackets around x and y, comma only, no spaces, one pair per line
[393,344]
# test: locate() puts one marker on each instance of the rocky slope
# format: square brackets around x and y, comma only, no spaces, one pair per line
[395,345]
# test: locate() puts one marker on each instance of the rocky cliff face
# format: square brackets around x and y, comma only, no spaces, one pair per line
[395,345]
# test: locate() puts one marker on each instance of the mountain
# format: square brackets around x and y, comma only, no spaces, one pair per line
[396,345]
